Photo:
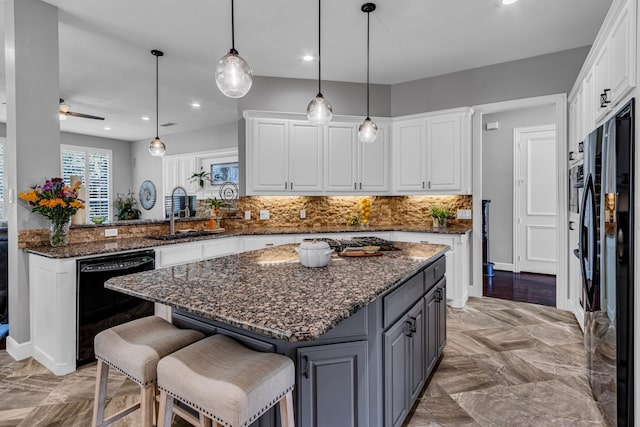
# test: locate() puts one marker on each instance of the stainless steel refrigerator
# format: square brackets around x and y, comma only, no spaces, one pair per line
[606,258]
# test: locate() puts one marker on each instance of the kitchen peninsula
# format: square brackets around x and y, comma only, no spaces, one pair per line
[365,333]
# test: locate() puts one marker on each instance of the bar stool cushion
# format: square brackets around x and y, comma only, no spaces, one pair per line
[226,381]
[134,348]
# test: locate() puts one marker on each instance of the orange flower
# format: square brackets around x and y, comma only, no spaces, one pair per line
[76,204]
[30,196]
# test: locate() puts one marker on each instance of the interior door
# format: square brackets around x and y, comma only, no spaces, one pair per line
[535,199]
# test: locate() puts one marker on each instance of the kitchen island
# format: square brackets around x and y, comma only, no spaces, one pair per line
[364,333]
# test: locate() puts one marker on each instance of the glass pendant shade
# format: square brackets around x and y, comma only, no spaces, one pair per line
[367,131]
[233,75]
[157,147]
[319,111]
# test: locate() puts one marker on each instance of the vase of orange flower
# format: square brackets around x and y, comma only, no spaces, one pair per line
[57,202]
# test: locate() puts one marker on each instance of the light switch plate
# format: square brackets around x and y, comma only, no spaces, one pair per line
[247,214]
[303,213]
[110,232]
[264,214]
[464,214]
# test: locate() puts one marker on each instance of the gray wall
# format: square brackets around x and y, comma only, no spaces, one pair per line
[120,156]
[148,167]
[497,173]
[539,75]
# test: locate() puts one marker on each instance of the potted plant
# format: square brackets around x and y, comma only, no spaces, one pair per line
[200,177]
[125,206]
[440,216]
[215,205]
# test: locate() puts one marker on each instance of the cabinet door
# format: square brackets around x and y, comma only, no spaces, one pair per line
[374,164]
[267,168]
[409,138]
[572,146]
[586,115]
[340,154]
[170,171]
[187,167]
[333,385]
[431,330]
[622,56]
[417,350]
[441,298]
[305,157]
[396,381]
[444,153]
[601,80]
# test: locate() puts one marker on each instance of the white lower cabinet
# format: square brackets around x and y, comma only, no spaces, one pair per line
[458,261]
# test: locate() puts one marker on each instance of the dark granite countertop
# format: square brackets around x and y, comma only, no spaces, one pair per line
[107,246]
[269,292]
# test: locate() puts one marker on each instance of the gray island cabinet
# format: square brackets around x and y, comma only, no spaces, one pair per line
[365,333]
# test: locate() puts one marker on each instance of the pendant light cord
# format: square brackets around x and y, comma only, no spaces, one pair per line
[368,15]
[157,136]
[233,31]
[319,44]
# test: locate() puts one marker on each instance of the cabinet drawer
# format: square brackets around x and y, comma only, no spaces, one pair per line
[434,273]
[399,301]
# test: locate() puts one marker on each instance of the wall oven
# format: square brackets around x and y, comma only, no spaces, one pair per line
[99,308]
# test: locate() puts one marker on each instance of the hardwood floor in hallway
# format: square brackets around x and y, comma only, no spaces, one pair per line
[505,364]
[523,287]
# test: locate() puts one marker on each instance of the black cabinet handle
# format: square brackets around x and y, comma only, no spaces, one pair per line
[355,185]
[571,223]
[408,328]
[604,98]
[580,147]
[414,326]
[285,185]
[571,155]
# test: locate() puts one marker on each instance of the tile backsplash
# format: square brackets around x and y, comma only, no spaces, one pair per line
[336,210]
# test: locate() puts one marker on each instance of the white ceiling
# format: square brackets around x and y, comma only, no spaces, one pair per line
[106,67]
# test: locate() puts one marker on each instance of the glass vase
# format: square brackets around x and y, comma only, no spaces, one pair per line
[59,232]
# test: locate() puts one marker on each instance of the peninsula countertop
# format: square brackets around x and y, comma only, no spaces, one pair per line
[106,246]
[269,292]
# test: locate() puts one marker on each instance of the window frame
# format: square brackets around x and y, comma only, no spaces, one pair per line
[87,151]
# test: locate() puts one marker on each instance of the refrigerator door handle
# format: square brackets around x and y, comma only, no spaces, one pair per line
[584,237]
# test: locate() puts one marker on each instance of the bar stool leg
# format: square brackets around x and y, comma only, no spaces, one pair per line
[100,394]
[147,399]
[165,413]
[286,410]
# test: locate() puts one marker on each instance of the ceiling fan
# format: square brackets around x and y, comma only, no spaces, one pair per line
[65,110]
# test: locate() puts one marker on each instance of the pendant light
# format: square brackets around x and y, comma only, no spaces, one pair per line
[157,147]
[319,110]
[368,130]
[233,75]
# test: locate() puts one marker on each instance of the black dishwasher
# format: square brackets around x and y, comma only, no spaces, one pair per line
[100,308]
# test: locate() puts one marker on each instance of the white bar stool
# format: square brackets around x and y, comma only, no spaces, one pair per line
[226,383]
[134,348]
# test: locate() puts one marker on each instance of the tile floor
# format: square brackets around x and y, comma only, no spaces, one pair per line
[505,364]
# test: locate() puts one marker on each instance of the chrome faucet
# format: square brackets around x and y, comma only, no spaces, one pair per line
[172,217]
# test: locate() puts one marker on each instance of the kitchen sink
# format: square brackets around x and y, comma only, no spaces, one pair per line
[186,234]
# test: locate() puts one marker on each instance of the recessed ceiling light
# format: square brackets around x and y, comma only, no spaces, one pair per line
[195,104]
[107,128]
[509,1]
[145,118]
[308,58]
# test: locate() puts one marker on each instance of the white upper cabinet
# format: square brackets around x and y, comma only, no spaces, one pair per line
[177,171]
[341,151]
[305,157]
[353,166]
[609,72]
[432,153]
[409,149]
[283,156]
[444,153]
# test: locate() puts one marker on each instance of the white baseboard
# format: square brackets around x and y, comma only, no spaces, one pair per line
[55,367]
[19,351]
[503,266]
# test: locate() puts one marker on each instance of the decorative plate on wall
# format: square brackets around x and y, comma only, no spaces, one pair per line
[147,194]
